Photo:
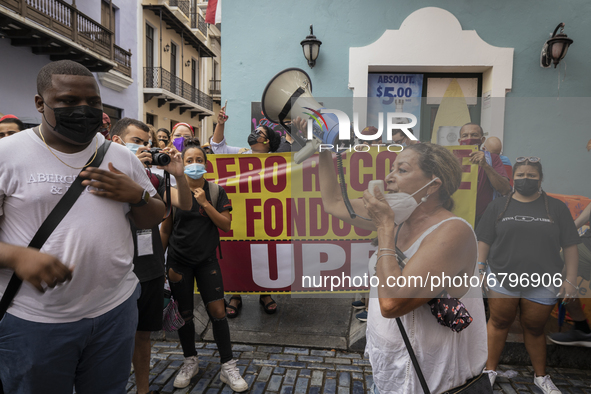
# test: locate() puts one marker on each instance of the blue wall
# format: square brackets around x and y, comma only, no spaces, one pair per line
[261,38]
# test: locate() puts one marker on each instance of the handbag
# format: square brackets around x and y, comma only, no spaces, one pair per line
[171,318]
[449,311]
[51,222]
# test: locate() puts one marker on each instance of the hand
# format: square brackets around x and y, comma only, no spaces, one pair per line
[199,195]
[40,269]
[300,124]
[568,292]
[176,167]
[478,158]
[112,184]
[378,209]
[144,156]
[222,117]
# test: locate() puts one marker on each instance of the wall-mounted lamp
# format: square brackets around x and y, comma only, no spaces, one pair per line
[187,63]
[554,50]
[311,47]
[166,48]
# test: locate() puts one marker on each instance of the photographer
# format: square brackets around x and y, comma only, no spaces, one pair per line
[148,259]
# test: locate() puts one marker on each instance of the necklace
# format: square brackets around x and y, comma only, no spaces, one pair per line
[75,168]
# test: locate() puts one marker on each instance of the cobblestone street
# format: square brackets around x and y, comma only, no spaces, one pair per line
[298,370]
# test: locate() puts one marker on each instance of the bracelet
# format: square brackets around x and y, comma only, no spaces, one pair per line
[385,254]
[482,264]
[570,283]
[391,250]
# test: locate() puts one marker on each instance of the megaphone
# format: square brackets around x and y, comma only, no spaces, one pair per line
[288,95]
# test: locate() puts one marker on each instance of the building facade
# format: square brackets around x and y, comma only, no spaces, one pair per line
[492,51]
[98,34]
[181,65]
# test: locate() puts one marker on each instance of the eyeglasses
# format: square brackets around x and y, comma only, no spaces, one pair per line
[531,159]
[261,133]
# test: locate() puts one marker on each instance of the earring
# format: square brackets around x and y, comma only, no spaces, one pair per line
[424,199]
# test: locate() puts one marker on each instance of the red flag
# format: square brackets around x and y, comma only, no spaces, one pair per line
[213,14]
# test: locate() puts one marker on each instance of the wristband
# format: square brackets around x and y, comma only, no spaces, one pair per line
[385,254]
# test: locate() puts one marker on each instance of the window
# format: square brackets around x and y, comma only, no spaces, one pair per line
[173,59]
[149,46]
[150,119]
[107,16]
[194,74]
[115,114]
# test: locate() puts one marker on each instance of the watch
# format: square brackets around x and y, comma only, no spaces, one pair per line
[143,201]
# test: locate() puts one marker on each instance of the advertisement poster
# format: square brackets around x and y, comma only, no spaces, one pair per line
[396,93]
[281,233]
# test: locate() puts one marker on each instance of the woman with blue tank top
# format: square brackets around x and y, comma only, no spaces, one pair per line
[415,219]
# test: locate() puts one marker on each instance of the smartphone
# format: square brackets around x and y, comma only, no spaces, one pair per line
[372,185]
[225,105]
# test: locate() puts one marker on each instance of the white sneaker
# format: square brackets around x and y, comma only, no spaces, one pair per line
[546,384]
[189,369]
[231,376]
[492,375]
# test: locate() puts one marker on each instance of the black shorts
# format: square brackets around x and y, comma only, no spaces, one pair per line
[150,305]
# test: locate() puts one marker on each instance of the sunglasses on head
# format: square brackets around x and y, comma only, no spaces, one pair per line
[531,159]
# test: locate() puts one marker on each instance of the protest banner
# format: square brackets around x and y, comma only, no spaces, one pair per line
[280,231]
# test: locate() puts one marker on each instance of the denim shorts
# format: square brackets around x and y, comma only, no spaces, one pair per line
[91,355]
[539,295]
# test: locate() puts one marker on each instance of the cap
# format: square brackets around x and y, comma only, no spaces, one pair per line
[106,118]
[8,117]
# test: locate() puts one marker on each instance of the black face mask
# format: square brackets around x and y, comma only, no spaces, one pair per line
[252,138]
[79,124]
[526,187]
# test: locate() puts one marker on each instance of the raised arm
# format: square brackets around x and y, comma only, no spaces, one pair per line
[583,217]
[218,134]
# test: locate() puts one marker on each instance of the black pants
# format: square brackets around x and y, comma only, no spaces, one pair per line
[211,288]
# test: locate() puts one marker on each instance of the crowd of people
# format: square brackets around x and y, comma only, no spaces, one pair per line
[93,291]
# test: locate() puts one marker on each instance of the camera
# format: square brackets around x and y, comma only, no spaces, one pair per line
[159,158]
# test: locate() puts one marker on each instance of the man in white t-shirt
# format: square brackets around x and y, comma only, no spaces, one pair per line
[73,321]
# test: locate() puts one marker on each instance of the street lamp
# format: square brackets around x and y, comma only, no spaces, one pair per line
[554,50]
[166,48]
[311,47]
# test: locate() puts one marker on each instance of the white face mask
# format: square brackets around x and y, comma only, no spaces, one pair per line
[404,204]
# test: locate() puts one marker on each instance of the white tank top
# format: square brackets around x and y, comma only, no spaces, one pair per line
[447,359]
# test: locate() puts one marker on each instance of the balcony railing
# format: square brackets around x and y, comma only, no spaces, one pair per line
[197,22]
[123,60]
[60,17]
[215,86]
[157,77]
[183,5]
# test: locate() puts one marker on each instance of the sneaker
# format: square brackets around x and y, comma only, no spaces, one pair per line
[358,304]
[546,384]
[189,369]
[231,376]
[492,375]
[361,316]
[571,338]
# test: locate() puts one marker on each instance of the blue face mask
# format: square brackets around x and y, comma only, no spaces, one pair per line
[195,170]
[132,147]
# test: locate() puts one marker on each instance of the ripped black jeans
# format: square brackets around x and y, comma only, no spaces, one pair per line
[211,288]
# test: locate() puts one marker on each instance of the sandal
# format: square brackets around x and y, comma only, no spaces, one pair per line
[235,309]
[266,306]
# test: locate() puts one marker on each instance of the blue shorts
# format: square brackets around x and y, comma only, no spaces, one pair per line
[92,355]
[539,295]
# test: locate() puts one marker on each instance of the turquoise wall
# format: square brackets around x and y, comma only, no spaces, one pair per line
[261,38]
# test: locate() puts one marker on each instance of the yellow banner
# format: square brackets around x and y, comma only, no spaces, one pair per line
[275,199]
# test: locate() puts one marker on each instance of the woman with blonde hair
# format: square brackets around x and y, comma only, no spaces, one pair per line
[418,237]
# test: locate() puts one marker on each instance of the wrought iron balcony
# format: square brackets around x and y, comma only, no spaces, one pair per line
[198,22]
[159,78]
[215,87]
[184,5]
